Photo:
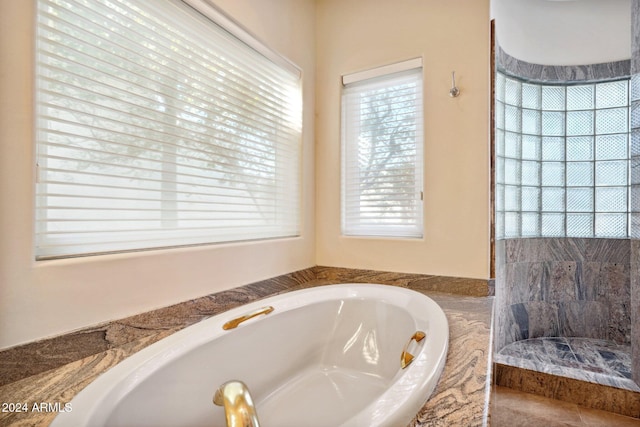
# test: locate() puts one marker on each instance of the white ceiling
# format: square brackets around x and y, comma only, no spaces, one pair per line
[569,32]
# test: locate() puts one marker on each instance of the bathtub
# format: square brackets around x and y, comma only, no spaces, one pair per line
[326,356]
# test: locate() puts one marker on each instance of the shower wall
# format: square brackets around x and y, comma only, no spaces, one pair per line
[566,286]
[573,286]
[563,287]
[635,310]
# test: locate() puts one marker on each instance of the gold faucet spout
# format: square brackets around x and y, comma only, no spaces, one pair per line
[238,405]
[231,324]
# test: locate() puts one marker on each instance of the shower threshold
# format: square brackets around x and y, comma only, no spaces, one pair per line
[585,359]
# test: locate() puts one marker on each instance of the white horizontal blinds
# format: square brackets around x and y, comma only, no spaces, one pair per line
[156,127]
[382,156]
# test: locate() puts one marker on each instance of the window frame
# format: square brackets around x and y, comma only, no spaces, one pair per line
[355,224]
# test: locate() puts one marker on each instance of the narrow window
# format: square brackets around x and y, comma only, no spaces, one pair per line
[156,127]
[382,152]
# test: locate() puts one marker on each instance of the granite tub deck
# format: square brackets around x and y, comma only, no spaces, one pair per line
[55,370]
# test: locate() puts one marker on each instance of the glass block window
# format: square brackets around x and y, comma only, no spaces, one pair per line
[562,159]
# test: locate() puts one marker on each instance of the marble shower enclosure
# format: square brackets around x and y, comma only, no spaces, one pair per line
[543,290]
[563,287]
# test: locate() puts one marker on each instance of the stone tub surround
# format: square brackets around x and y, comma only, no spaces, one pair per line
[64,365]
[419,282]
[40,356]
[550,287]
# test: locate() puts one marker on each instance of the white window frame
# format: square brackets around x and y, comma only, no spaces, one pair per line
[359,215]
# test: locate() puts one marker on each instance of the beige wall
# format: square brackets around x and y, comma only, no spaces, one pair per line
[47,298]
[354,35]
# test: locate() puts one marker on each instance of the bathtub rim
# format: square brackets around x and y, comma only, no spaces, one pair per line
[92,398]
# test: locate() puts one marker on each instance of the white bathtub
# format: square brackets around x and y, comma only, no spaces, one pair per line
[326,356]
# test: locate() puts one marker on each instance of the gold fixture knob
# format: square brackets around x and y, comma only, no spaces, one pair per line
[406,358]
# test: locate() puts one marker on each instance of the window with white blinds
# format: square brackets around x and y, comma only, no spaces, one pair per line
[382,153]
[156,127]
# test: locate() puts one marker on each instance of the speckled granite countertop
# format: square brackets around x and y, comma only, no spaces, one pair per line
[460,398]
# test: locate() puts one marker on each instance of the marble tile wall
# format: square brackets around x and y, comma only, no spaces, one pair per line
[635,36]
[564,73]
[635,310]
[555,287]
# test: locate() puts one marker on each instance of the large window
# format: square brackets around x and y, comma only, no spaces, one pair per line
[562,159]
[156,127]
[382,153]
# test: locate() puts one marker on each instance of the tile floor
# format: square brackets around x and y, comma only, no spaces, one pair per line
[511,408]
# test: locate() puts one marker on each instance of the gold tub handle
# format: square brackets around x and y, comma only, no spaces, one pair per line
[406,358]
[231,324]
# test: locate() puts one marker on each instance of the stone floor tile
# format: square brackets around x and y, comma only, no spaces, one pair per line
[595,418]
[515,408]
[512,408]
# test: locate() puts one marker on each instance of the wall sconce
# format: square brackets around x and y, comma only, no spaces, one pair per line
[454,91]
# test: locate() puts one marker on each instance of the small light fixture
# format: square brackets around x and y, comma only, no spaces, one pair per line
[454,91]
